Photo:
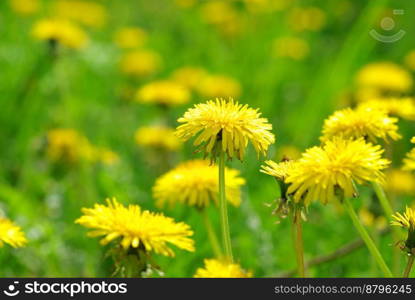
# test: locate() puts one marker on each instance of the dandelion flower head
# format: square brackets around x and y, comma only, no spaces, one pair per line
[215,268]
[134,228]
[88,13]
[409,160]
[213,86]
[62,31]
[140,63]
[25,7]
[130,37]
[11,234]
[226,125]
[364,122]
[159,137]
[163,92]
[401,107]
[195,183]
[335,165]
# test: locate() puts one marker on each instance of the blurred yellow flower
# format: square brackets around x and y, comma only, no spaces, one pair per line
[400,182]
[226,125]
[159,137]
[364,122]
[410,60]
[384,76]
[11,234]
[400,107]
[279,170]
[190,77]
[306,19]
[335,165]
[140,63]
[195,183]
[370,220]
[130,37]
[215,268]
[163,92]
[135,228]
[291,47]
[61,31]
[213,86]
[87,13]
[409,161]
[25,7]
[218,12]
[67,145]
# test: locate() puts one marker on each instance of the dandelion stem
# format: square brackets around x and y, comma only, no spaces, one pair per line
[367,239]
[388,210]
[214,242]
[223,210]
[299,248]
[408,266]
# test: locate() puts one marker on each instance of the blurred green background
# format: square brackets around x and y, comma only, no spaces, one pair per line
[82,89]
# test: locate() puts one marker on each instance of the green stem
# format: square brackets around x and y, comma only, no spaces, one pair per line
[214,242]
[299,248]
[366,238]
[408,266]
[223,210]
[388,210]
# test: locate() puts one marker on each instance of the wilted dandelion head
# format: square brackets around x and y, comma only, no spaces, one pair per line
[335,166]
[87,13]
[62,31]
[409,160]
[195,183]
[213,86]
[25,7]
[140,63]
[226,125]
[11,234]
[279,170]
[189,77]
[163,92]
[291,47]
[215,268]
[136,228]
[130,37]
[363,122]
[158,137]
[401,107]
[384,76]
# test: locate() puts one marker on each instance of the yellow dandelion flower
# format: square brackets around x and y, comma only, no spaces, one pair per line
[400,182]
[291,47]
[227,126]
[405,220]
[409,161]
[335,165]
[195,183]
[130,37]
[87,13]
[136,228]
[306,19]
[106,156]
[189,77]
[400,107]
[61,31]
[25,7]
[279,170]
[385,76]
[410,60]
[140,63]
[364,122]
[218,12]
[215,268]
[67,145]
[11,234]
[213,86]
[163,92]
[159,137]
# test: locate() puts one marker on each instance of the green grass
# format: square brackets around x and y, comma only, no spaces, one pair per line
[80,90]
